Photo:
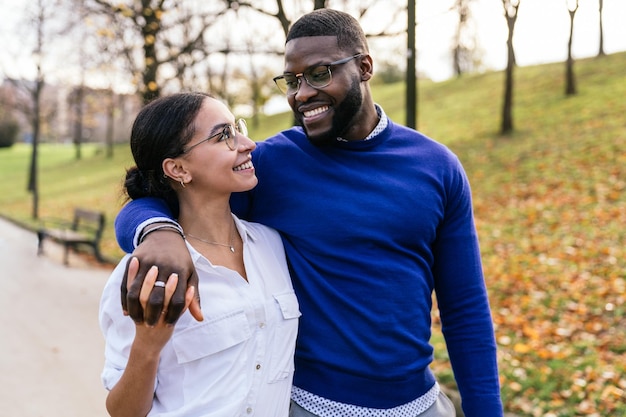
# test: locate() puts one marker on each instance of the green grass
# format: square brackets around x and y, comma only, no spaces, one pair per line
[550,207]
[64,183]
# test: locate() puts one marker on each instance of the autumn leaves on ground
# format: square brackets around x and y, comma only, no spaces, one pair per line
[554,255]
[550,207]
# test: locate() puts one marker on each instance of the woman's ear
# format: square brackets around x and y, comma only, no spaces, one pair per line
[173,169]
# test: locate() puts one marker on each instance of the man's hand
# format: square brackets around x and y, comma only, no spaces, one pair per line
[153,338]
[168,252]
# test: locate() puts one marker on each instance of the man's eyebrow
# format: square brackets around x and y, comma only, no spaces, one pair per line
[310,67]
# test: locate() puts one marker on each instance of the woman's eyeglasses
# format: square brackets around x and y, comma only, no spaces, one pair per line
[228,135]
[317,77]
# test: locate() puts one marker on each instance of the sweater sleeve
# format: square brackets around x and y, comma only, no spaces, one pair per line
[464,306]
[136,215]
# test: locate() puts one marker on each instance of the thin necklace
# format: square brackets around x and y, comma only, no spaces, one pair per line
[230,246]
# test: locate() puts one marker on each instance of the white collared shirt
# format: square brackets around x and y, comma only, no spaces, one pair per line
[239,360]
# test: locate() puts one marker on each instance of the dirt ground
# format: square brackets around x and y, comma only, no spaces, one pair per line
[51,348]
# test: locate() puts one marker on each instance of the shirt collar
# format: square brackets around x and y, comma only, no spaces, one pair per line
[382,124]
[244,231]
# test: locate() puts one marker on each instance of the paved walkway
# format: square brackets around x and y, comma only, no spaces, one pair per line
[51,348]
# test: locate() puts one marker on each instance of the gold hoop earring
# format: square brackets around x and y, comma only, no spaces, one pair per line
[182,183]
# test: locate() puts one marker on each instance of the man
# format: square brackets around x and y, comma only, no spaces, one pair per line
[374,217]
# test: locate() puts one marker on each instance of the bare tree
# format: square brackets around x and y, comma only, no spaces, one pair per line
[169,33]
[77,98]
[257,77]
[106,62]
[33,183]
[282,17]
[37,31]
[359,8]
[41,15]
[464,44]
[601,46]
[29,93]
[285,22]
[570,78]
[511,8]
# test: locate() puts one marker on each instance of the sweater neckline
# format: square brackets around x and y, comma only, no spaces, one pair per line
[366,144]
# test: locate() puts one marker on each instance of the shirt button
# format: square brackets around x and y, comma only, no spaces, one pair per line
[262,325]
[258,366]
[249,410]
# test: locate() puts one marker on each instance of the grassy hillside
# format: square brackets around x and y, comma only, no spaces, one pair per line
[550,206]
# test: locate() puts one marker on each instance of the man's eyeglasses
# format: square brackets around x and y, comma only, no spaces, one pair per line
[317,77]
[228,135]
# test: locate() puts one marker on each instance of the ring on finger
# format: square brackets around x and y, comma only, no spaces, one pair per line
[159,284]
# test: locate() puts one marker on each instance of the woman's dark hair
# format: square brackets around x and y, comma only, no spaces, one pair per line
[329,22]
[161,130]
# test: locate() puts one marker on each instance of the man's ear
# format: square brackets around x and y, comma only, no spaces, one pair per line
[367,67]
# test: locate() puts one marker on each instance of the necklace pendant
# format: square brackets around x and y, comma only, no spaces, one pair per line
[232,249]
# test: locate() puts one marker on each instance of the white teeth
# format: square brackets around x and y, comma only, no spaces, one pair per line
[245,165]
[314,112]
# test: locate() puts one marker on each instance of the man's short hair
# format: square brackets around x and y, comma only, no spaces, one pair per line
[330,22]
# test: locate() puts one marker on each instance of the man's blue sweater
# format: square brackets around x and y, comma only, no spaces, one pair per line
[370,229]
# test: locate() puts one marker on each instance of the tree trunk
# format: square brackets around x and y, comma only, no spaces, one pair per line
[601,47]
[570,81]
[319,4]
[33,180]
[411,77]
[510,11]
[78,120]
[150,31]
[507,106]
[110,124]
[462,8]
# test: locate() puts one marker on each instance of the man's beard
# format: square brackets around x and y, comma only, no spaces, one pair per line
[343,118]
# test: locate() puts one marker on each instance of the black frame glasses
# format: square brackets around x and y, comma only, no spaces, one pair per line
[229,135]
[318,76]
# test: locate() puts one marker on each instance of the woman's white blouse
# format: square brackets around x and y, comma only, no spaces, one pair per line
[239,360]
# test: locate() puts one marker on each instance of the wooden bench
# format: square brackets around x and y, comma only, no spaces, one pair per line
[85,230]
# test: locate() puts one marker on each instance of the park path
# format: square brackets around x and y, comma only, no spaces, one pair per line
[51,348]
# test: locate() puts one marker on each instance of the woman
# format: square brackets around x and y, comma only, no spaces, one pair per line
[238,361]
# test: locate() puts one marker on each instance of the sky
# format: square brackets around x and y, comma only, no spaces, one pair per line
[541,34]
